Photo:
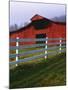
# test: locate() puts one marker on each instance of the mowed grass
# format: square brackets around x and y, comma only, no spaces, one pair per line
[50,72]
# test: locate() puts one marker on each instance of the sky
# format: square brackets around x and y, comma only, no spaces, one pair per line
[22,12]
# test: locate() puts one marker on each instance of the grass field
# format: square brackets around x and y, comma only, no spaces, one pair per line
[50,72]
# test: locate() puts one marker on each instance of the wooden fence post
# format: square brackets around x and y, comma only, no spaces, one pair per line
[17,45]
[60,45]
[46,47]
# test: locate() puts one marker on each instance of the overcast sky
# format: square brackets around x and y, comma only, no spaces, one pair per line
[21,12]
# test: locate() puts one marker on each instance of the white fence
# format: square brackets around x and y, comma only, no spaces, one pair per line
[58,45]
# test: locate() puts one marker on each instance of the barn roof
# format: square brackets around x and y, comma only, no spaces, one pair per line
[36,18]
[39,17]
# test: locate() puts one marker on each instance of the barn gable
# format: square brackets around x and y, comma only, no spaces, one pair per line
[39,22]
[41,26]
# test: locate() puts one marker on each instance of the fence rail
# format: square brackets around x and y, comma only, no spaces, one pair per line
[30,39]
[33,45]
[33,51]
[34,57]
[60,48]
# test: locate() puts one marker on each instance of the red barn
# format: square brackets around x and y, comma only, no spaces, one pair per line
[41,27]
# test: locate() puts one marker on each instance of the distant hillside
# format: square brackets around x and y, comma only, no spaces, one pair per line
[60,19]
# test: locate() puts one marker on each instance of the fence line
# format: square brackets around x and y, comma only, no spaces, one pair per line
[61,44]
[32,58]
[33,45]
[34,51]
[32,39]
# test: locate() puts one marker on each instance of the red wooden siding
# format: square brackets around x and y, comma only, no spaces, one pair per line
[56,30]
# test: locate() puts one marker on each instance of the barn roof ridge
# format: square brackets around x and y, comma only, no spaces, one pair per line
[40,17]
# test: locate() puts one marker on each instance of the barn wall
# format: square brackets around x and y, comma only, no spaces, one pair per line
[54,31]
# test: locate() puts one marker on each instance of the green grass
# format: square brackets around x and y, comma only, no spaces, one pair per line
[50,72]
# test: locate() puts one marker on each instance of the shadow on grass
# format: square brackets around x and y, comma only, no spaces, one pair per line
[49,72]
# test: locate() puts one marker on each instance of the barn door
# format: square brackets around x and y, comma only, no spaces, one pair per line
[38,36]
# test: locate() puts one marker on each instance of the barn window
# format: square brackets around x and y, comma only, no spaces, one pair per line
[41,24]
[38,36]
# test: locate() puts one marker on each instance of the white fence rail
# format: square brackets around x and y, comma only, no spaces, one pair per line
[32,58]
[31,39]
[59,46]
[33,45]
